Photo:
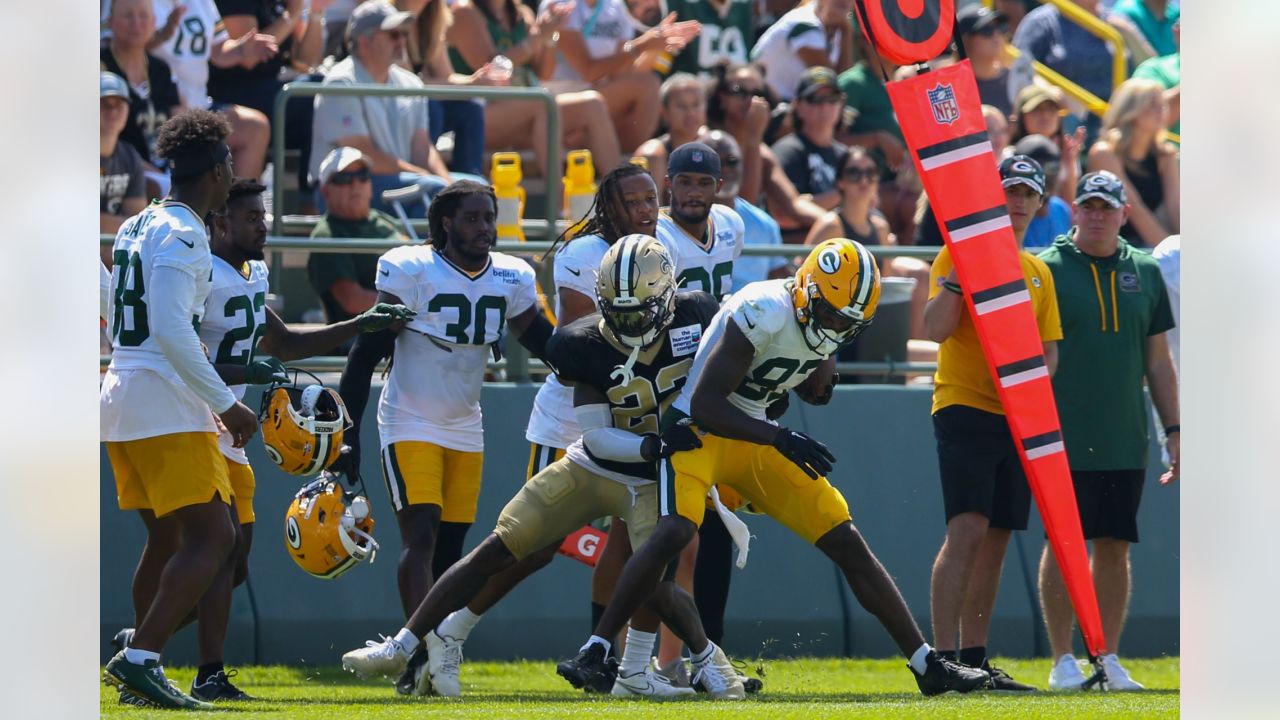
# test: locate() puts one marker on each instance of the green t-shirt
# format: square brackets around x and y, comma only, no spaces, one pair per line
[324,269]
[1109,307]
[1167,71]
[864,91]
[725,36]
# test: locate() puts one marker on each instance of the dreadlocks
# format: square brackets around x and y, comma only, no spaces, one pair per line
[601,218]
[446,203]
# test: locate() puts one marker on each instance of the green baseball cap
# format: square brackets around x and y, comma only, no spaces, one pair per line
[1022,170]
[1102,184]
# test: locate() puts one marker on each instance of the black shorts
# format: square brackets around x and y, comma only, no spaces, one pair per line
[980,468]
[1108,502]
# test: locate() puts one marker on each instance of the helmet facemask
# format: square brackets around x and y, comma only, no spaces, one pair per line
[637,323]
[827,328]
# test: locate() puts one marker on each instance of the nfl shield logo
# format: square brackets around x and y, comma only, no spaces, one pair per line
[943,101]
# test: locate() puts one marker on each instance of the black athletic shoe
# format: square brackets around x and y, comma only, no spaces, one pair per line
[122,639]
[589,670]
[1000,680]
[942,676]
[217,688]
[408,679]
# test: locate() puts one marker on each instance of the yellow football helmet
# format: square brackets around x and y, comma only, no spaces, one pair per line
[836,292]
[636,290]
[302,425]
[327,531]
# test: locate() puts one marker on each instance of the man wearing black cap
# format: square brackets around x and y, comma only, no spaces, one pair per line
[981,32]
[702,237]
[1054,216]
[1115,318]
[984,490]
[811,156]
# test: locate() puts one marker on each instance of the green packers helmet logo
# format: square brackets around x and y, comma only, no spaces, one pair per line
[291,533]
[829,261]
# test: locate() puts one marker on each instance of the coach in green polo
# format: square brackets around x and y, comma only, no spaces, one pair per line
[1115,313]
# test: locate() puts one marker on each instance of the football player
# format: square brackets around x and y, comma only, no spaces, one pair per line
[626,364]
[429,419]
[765,340]
[703,237]
[156,399]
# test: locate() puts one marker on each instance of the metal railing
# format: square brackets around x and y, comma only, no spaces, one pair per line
[1097,27]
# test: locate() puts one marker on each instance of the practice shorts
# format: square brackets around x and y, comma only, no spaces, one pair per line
[242,485]
[541,456]
[168,472]
[1108,502]
[423,473]
[564,497]
[772,484]
[979,466]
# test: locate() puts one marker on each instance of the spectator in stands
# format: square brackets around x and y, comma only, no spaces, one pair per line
[122,186]
[760,229]
[1013,11]
[728,27]
[1054,216]
[1167,70]
[1133,147]
[392,132]
[428,57]
[599,50]
[811,156]
[981,32]
[1115,319]
[1070,49]
[483,29]
[816,33]
[1038,110]
[926,230]
[153,96]
[684,111]
[345,281]
[1154,21]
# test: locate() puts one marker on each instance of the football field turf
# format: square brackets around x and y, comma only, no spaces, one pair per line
[805,689]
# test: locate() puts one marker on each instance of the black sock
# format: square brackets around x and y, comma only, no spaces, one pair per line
[597,611]
[947,654]
[204,672]
[973,656]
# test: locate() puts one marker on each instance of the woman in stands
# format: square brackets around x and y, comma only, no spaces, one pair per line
[1038,110]
[484,29]
[1133,146]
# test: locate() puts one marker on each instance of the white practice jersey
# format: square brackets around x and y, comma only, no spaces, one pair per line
[776,49]
[187,52]
[433,393]
[142,395]
[235,318]
[765,313]
[553,422]
[701,267]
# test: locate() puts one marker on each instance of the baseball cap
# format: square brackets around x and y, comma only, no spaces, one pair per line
[975,17]
[1101,184]
[1035,95]
[1022,170]
[694,157]
[1038,148]
[112,85]
[340,159]
[372,15]
[815,79]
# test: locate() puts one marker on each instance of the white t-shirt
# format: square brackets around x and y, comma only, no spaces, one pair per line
[142,395]
[776,48]
[235,318]
[765,313]
[433,392]
[604,27]
[1169,255]
[552,421]
[187,52]
[709,269]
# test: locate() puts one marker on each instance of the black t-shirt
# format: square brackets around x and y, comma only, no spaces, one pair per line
[120,176]
[995,92]
[232,85]
[581,354]
[149,104]
[810,168]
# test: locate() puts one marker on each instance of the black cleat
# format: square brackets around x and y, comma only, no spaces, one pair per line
[122,639]
[941,676]
[1000,680]
[218,688]
[408,680]
[589,670]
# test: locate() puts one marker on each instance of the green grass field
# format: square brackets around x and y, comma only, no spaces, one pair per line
[805,689]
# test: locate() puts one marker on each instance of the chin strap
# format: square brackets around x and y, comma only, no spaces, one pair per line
[623,372]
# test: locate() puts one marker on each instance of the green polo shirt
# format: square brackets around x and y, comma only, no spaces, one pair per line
[1109,307]
[864,91]
[325,269]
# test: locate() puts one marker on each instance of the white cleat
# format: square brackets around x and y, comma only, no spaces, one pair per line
[649,684]
[385,657]
[719,678]
[444,659]
[1117,677]
[1066,674]
[676,672]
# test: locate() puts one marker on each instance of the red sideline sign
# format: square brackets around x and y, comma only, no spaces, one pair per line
[584,545]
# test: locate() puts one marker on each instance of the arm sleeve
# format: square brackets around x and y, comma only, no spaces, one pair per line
[605,441]
[392,278]
[754,320]
[525,295]
[573,271]
[805,35]
[339,116]
[104,291]
[1047,315]
[172,329]
[941,266]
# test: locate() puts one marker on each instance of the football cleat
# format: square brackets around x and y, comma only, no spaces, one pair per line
[122,639]
[218,687]
[1001,681]
[676,672]
[386,657]
[1117,677]
[414,673]
[1066,674]
[588,670]
[128,698]
[444,658]
[147,682]
[648,683]
[942,676]
[718,678]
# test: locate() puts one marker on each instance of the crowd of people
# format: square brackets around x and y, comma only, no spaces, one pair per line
[748,123]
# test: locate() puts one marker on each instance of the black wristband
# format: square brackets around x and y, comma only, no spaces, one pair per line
[953,287]
[1171,429]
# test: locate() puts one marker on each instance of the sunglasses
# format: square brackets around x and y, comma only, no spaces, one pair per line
[856,173]
[732,161]
[740,91]
[346,178]
[827,99]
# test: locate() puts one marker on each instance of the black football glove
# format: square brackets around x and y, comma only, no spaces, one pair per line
[348,462]
[778,407]
[265,371]
[382,316]
[677,438]
[823,397]
[808,454]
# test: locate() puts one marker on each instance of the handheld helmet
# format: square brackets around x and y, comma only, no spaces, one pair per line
[836,292]
[328,531]
[636,290]
[302,425]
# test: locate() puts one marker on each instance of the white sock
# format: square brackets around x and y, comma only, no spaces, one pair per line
[407,640]
[699,659]
[597,639]
[458,625]
[140,657]
[635,658]
[918,659]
